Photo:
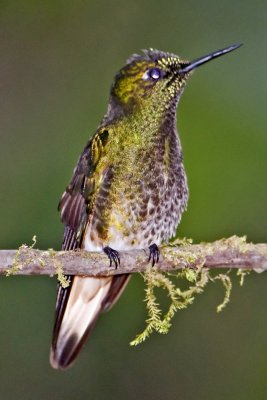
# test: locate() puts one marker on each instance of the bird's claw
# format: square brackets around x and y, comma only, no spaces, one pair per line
[153,254]
[113,256]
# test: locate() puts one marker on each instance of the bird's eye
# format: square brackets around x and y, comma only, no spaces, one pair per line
[153,74]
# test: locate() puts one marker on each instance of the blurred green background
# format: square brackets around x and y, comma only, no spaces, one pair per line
[56,67]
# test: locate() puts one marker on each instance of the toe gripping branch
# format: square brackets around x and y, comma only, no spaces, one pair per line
[113,256]
[154,254]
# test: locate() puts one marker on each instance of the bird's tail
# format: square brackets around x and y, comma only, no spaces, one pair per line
[78,307]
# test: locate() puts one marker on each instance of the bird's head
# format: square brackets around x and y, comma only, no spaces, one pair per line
[156,78]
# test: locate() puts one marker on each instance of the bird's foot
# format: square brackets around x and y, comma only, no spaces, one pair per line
[113,256]
[153,254]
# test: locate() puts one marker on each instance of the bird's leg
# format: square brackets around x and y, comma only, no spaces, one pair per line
[153,254]
[113,256]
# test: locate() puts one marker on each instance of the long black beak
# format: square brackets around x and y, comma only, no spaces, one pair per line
[202,60]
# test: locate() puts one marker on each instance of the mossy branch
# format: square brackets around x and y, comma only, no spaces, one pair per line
[180,259]
[233,252]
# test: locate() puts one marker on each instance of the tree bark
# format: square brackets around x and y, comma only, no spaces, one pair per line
[233,252]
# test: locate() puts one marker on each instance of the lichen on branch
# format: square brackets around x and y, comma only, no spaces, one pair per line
[179,299]
[194,264]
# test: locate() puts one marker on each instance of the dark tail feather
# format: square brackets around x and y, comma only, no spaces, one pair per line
[78,307]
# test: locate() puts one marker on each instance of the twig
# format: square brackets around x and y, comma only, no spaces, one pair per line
[228,253]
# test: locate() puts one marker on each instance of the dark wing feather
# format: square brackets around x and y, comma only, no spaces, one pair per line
[72,207]
[75,210]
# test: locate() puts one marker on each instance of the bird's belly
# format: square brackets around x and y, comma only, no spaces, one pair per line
[137,223]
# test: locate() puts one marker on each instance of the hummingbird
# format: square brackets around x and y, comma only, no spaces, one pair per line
[128,190]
